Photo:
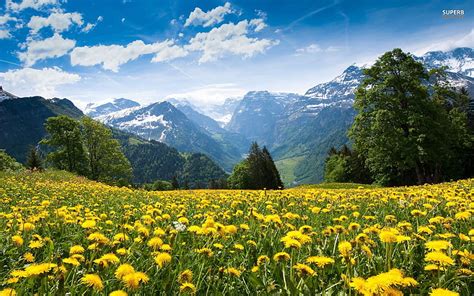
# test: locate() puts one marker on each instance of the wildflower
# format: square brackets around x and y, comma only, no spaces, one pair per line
[133,280]
[7,292]
[28,226]
[239,247]
[29,257]
[281,256]
[462,216]
[118,293]
[155,243]
[187,288]
[262,260]
[72,261]
[88,224]
[345,248]
[205,251]
[233,271]
[93,280]
[304,270]
[76,250]
[107,259]
[443,292]
[38,269]
[17,240]
[186,276]
[388,236]
[162,259]
[438,245]
[123,270]
[320,261]
[439,258]
[385,283]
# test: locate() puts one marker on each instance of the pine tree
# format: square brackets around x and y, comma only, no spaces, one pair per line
[34,161]
[174,182]
[274,179]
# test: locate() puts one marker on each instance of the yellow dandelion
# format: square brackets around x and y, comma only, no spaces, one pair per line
[93,280]
[443,292]
[162,259]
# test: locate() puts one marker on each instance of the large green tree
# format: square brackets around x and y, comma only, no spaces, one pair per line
[257,171]
[65,138]
[106,162]
[403,128]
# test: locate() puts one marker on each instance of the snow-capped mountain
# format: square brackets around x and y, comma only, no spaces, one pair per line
[459,60]
[115,105]
[4,95]
[165,123]
[299,129]
[341,87]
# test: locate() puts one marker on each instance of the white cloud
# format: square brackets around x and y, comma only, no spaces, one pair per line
[198,17]
[229,39]
[58,22]
[111,57]
[312,48]
[258,24]
[169,52]
[44,82]
[464,40]
[91,26]
[52,47]
[315,48]
[4,27]
[34,4]
[209,94]
[5,34]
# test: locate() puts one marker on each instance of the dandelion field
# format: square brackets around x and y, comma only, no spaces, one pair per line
[67,235]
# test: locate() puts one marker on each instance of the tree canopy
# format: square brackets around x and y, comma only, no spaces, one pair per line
[411,126]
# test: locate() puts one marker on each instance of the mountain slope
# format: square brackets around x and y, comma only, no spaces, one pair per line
[93,110]
[165,123]
[300,130]
[22,122]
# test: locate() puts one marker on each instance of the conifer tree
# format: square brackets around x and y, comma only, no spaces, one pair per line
[34,161]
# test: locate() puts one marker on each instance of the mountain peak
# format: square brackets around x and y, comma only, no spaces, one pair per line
[4,95]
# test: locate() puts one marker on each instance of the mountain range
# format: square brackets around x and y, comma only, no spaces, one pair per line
[297,129]
[22,126]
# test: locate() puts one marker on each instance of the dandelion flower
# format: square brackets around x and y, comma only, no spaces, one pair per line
[93,280]
[123,270]
[443,292]
[162,259]
[187,288]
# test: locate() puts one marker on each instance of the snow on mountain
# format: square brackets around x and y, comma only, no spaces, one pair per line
[115,105]
[459,60]
[4,95]
[340,87]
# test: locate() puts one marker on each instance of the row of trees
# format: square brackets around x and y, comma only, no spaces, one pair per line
[86,147]
[412,127]
[257,171]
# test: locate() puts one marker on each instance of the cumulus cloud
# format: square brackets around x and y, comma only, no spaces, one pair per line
[44,82]
[214,16]
[229,39]
[91,26]
[53,47]
[33,4]
[111,57]
[4,25]
[58,22]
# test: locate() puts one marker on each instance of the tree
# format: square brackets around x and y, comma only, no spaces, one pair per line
[403,126]
[257,171]
[106,162]
[273,179]
[240,177]
[64,136]
[174,182]
[344,166]
[34,161]
[8,163]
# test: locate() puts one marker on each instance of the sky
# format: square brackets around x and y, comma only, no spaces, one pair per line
[206,51]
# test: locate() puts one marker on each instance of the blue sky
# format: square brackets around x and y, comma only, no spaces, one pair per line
[91,51]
